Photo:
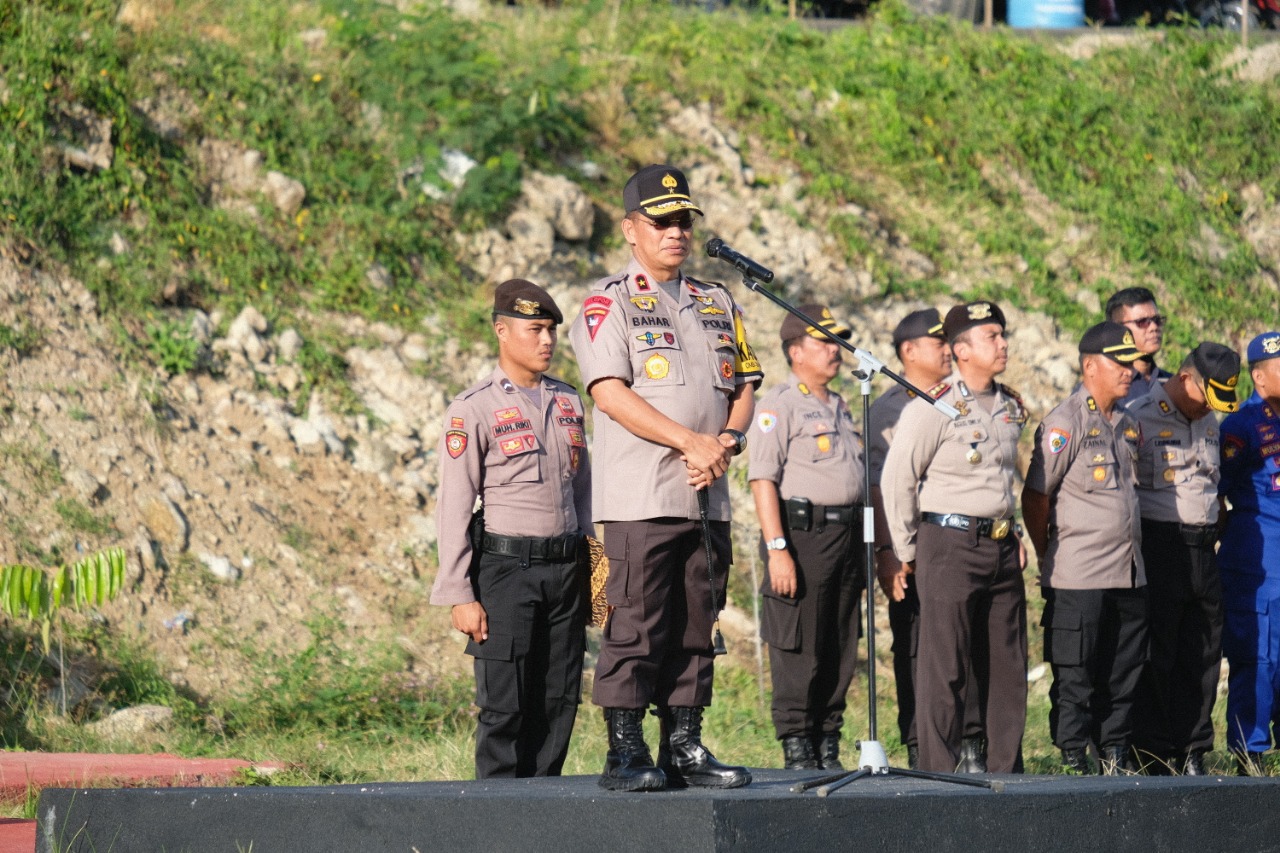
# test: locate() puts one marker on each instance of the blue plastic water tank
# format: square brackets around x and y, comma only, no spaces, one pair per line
[1046,14]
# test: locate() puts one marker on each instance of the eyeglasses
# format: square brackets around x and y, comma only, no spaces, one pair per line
[683,222]
[1146,322]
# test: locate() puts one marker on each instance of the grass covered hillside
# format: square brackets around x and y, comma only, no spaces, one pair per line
[183,160]
[1036,175]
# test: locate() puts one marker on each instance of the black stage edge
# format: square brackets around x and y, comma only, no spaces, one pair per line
[1037,813]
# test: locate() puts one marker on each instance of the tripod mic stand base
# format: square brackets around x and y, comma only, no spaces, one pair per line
[871,757]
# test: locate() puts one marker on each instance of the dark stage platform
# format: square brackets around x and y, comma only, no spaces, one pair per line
[572,814]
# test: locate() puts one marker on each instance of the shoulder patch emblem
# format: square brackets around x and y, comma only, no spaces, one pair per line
[594,310]
[766,421]
[1058,440]
[455,442]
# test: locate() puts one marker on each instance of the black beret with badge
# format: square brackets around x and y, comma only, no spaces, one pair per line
[794,327]
[1112,340]
[1219,369]
[524,300]
[964,317]
[925,323]
[658,191]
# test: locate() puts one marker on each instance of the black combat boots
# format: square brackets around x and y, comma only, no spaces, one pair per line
[973,755]
[683,758]
[628,766]
[798,753]
[1077,761]
[828,749]
[1116,761]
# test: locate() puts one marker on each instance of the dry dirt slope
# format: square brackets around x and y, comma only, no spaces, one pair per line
[188,474]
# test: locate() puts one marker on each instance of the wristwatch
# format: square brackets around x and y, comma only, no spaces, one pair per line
[739,440]
[779,544]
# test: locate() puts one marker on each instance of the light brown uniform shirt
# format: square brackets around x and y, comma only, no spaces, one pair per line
[684,356]
[808,447]
[528,463]
[1086,465]
[966,466]
[883,419]
[1177,461]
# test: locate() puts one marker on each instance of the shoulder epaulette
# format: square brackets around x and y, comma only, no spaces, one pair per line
[609,281]
[938,390]
[700,283]
[475,389]
[1009,392]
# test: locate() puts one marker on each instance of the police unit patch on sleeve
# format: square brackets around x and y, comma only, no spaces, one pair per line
[455,442]
[1058,440]
[595,309]
[766,421]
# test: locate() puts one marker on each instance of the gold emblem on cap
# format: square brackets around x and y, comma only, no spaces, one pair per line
[669,181]
[1128,339]
[1231,383]
[524,306]
[1271,345]
[980,311]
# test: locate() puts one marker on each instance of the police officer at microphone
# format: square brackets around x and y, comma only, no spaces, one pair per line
[665,358]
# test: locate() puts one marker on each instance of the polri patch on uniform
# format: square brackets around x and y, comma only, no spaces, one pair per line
[711,310]
[1164,407]
[575,457]
[724,339]
[766,421]
[510,413]
[507,386]
[645,303]
[455,442]
[657,367]
[518,444]
[565,405]
[1058,440]
[576,438]
[595,310]
[642,284]
[457,423]
[1099,474]
[726,369]
[656,338]
[824,443]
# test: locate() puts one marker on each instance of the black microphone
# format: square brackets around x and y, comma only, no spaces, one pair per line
[717,249]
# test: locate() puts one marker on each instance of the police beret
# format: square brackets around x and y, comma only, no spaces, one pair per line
[971,314]
[523,299]
[794,327]
[658,190]
[1112,340]
[1219,367]
[1264,346]
[925,323]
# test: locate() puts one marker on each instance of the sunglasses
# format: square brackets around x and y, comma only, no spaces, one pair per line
[684,222]
[1146,322]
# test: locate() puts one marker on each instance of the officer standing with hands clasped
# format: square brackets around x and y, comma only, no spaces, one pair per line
[1080,505]
[515,440]
[926,361]
[1178,500]
[806,478]
[666,359]
[949,503]
[1249,557]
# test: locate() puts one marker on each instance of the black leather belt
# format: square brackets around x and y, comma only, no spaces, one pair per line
[804,515]
[996,528]
[1195,535]
[532,548]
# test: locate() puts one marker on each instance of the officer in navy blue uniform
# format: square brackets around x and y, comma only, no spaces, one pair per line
[1249,556]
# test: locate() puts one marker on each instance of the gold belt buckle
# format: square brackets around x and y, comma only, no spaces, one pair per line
[1000,528]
